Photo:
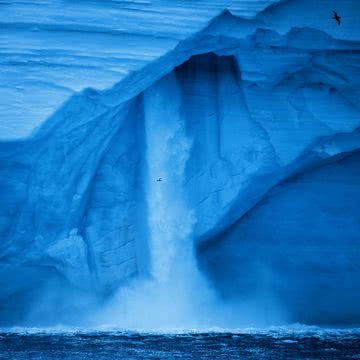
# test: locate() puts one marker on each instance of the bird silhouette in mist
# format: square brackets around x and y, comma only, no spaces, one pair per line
[336,17]
[159,180]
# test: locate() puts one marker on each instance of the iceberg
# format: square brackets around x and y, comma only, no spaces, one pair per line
[253,127]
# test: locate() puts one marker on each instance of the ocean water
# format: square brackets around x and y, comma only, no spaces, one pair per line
[273,343]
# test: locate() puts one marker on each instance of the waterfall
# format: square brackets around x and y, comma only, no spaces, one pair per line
[175,295]
[170,218]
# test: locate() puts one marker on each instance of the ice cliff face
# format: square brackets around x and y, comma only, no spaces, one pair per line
[51,50]
[252,126]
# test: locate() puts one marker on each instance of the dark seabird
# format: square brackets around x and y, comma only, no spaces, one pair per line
[337,17]
[159,179]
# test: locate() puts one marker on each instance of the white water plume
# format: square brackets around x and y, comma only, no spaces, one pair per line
[176,295]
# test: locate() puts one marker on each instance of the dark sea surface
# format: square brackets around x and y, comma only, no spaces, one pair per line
[301,343]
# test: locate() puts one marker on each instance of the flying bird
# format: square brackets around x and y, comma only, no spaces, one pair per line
[337,17]
[159,179]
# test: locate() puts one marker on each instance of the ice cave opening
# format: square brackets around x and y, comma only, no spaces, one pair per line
[182,115]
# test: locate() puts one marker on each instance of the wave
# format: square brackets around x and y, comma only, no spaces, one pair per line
[293,330]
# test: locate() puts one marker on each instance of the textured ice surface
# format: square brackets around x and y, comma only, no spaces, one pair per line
[50,50]
[253,125]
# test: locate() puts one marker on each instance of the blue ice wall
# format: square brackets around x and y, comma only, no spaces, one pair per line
[267,127]
[297,248]
[62,201]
